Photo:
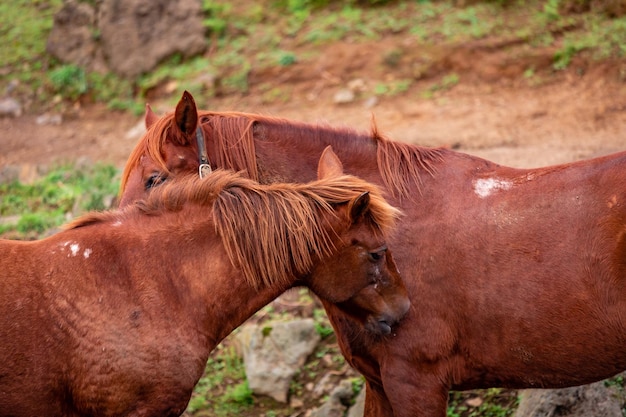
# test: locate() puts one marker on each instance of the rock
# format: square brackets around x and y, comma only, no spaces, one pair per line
[274,352]
[10,107]
[49,119]
[325,384]
[358,409]
[357,85]
[128,37]
[71,39]
[138,34]
[344,96]
[337,402]
[594,400]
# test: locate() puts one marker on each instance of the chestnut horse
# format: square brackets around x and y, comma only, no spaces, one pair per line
[116,315]
[517,277]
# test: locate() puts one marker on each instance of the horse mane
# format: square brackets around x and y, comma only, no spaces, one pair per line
[271,232]
[233,133]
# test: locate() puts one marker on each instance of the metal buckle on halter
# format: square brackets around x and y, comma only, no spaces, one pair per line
[204,170]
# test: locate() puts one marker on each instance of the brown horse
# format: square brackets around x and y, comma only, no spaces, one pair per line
[116,316]
[517,277]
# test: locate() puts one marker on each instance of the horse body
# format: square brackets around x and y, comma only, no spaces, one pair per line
[516,276]
[117,341]
[118,314]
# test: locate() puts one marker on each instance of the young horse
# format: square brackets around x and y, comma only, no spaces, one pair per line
[117,315]
[517,277]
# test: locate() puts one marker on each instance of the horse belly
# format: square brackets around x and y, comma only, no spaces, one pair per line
[550,354]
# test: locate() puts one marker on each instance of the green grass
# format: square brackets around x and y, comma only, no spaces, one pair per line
[223,389]
[61,194]
[24,27]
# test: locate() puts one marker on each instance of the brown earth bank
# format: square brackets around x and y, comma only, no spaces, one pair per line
[492,108]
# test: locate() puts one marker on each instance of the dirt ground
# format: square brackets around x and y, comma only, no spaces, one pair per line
[494,111]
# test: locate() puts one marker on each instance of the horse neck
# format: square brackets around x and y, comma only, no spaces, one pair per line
[291,152]
[190,263]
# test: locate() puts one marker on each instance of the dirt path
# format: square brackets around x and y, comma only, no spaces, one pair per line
[570,118]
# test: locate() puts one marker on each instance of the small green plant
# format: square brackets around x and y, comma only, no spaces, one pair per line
[550,10]
[563,56]
[217,15]
[322,325]
[223,388]
[286,58]
[239,394]
[323,330]
[357,385]
[69,81]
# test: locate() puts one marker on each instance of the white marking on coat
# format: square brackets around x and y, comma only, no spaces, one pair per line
[87,252]
[74,247]
[485,187]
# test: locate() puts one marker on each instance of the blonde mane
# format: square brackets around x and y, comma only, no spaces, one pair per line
[233,133]
[271,232]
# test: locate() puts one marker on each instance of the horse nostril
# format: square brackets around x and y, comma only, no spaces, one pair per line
[384,326]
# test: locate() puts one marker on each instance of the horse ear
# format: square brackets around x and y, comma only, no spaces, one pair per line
[186,117]
[329,165]
[359,206]
[150,117]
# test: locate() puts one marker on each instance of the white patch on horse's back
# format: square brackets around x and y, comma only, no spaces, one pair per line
[485,187]
[74,248]
[87,252]
[118,223]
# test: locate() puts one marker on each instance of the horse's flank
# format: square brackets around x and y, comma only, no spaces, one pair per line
[232,135]
[244,211]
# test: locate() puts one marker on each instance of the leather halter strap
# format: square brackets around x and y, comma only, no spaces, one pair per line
[205,167]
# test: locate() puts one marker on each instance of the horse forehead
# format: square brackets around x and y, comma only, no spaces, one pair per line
[364,235]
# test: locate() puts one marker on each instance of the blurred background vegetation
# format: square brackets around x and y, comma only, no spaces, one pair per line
[256,35]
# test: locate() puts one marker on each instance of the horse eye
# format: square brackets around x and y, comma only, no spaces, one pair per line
[154,180]
[378,254]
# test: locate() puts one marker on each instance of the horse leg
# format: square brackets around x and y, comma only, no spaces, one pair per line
[415,394]
[376,402]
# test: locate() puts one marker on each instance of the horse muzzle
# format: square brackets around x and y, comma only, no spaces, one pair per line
[382,324]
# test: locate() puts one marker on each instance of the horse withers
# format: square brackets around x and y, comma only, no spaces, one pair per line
[116,315]
[516,276]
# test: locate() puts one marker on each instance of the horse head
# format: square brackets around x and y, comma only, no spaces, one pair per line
[168,146]
[362,278]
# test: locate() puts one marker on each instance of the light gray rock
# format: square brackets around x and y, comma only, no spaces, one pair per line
[593,400]
[10,107]
[337,402]
[274,352]
[358,409]
[344,96]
